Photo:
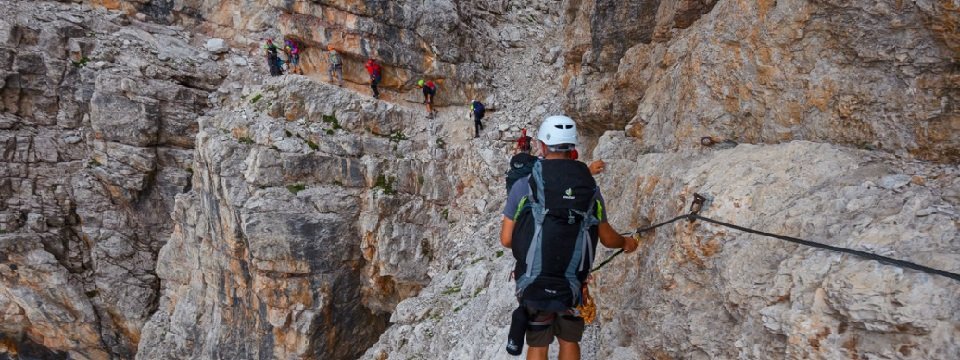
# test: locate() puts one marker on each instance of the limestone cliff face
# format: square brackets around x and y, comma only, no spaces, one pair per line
[446,41]
[161,201]
[98,120]
[877,75]
[309,214]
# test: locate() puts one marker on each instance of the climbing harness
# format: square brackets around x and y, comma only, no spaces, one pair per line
[588,309]
[694,215]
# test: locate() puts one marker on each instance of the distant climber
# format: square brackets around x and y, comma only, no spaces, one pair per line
[292,49]
[336,65]
[273,59]
[523,142]
[478,110]
[429,91]
[561,200]
[373,68]
[521,164]
[282,58]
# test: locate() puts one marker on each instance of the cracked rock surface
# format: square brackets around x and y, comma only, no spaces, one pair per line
[98,117]
[162,198]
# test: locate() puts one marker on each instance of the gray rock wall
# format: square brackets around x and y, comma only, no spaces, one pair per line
[872,75]
[161,201]
[313,213]
[695,290]
[98,119]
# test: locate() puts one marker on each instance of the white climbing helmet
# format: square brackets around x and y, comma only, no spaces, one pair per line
[558,129]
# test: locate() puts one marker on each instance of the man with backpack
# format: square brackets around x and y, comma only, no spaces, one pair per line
[273,58]
[553,220]
[478,111]
[374,70]
[429,90]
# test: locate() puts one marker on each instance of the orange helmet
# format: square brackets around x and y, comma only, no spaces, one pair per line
[330,47]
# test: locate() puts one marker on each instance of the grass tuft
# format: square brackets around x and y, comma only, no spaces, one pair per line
[386,184]
[295,188]
[81,63]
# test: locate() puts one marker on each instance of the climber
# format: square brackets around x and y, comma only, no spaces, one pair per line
[523,142]
[373,68]
[282,60]
[563,203]
[429,91]
[336,65]
[478,111]
[273,60]
[521,164]
[293,56]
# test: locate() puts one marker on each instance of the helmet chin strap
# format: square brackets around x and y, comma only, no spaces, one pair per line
[547,154]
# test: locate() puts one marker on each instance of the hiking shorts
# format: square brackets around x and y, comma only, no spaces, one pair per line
[568,328]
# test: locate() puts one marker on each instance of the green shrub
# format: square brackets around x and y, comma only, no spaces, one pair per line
[385,183]
[451,290]
[397,136]
[332,120]
[295,188]
[81,63]
[256,98]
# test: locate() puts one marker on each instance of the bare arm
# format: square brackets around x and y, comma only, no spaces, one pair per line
[597,167]
[506,232]
[611,239]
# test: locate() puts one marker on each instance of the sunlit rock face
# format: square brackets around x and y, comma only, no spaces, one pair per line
[873,75]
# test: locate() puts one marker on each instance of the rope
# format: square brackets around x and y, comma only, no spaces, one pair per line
[863,254]
[640,231]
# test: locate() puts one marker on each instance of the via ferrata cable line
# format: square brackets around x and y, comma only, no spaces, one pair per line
[694,215]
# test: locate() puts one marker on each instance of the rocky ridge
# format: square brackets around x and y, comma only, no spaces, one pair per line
[283,170]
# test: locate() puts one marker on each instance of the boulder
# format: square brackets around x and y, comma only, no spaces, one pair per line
[217,46]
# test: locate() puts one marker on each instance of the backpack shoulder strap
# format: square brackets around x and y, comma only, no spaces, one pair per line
[534,259]
[583,251]
[536,178]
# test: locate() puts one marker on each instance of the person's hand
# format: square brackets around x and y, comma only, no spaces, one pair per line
[630,244]
[597,167]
